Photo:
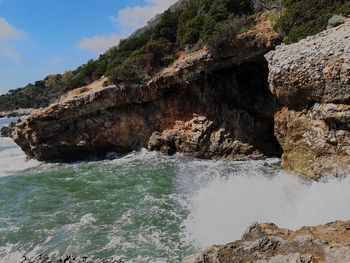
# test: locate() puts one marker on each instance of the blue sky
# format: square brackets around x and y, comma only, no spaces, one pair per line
[42,37]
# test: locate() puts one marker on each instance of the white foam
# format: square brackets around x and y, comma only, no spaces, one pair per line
[222,209]
[12,158]
[87,219]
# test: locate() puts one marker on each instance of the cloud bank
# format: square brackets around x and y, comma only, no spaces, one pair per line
[99,44]
[135,17]
[9,33]
[128,20]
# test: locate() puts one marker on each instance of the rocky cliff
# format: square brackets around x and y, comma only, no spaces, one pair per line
[204,106]
[312,80]
[269,244]
[211,106]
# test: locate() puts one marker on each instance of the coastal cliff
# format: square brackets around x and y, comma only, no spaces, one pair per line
[202,105]
[311,79]
[210,106]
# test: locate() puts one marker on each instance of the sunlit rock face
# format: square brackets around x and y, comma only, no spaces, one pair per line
[201,106]
[268,243]
[312,80]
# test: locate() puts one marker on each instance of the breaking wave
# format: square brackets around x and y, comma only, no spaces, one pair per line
[145,207]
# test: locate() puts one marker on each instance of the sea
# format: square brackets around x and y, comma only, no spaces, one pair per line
[5,121]
[146,207]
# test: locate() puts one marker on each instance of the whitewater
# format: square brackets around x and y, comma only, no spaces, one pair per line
[146,207]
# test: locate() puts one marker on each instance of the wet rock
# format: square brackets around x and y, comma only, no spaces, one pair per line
[269,244]
[18,258]
[6,131]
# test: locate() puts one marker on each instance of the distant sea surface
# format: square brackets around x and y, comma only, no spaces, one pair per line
[5,121]
[146,207]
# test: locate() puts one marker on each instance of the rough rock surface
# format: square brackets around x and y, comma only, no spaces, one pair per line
[6,131]
[266,243]
[19,258]
[229,96]
[312,80]
[200,137]
[16,113]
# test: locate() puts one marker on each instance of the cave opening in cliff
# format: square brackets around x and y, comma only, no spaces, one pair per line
[244,89]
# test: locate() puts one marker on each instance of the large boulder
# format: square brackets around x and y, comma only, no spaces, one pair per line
[312,80]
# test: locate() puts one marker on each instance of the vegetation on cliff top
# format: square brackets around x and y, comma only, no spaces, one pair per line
[302,18]
[137,58]
[196,23]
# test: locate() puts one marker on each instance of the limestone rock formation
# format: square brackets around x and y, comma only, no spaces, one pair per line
[16,113]
[6,131]
[269,244]
[202,106]
[200,137]
[312,80]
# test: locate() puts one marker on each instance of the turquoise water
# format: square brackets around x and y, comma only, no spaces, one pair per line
[146,207]
[130,209]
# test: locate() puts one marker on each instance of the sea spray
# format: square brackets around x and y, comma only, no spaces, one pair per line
[145,207]
[12,158]
[222,209]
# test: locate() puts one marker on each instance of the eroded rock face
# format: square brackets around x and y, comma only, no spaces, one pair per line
[200,137]
[316,142]
[198,106]
[312,80]
[6,131]
[269,244]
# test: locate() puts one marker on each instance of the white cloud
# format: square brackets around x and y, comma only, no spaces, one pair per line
[128,19]
[99,44]
[57,60]
[10,53]
[8,32]
[132,18]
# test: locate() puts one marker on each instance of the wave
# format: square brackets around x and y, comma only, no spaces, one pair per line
[223,208]
[146,207]
[12,158]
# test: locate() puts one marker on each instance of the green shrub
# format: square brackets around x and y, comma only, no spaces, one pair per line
[193,30]
[223,42]
[138,57]
[302,18]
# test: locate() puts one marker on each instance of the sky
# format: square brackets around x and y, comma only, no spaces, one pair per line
[43,37]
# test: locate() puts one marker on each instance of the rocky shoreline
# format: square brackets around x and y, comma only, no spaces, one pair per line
[213,107]
[203,106]
[264,100]
[16,113]
[19,258]
[269,244]
[260,243]
[7,130]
